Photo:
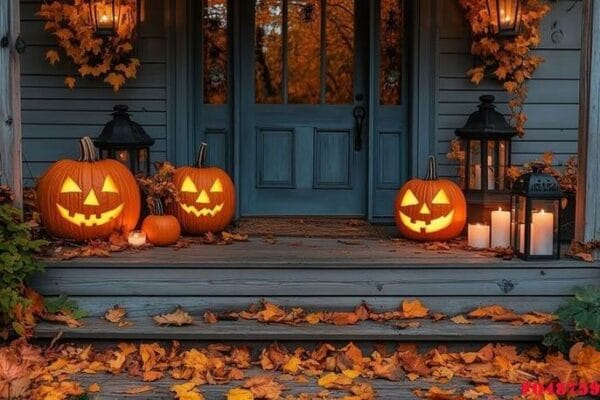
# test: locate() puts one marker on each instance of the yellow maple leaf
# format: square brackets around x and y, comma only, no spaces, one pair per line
[292,365]
[52,56]
[414,309]
[239,394]
[93,388]
[187,391]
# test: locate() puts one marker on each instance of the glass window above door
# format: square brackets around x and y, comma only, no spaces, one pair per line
[304,51]
[214,51]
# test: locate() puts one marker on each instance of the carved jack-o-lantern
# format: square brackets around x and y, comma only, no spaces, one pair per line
[431,208]
[88,199]
[206,197]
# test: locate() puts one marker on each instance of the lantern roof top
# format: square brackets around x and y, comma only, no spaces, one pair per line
[121,131]
[537,184]
[486,122]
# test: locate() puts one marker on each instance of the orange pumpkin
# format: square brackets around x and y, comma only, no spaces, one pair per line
[206,197]
[88,199]
[160,229]
[430,209]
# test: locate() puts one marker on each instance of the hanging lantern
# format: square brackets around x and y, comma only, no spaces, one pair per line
[505,16]
[125,141]
[535,215]
[486,140]
[107,15]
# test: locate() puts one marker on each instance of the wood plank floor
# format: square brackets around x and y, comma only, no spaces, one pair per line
[289,252]
[243,330]
[114,386]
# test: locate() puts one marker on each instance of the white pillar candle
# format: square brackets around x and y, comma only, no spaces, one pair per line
[500,228]
[137,238]
[542,233]
[479,236]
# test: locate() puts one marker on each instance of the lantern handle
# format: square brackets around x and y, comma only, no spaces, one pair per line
[432,174]
[201,158]
[88,150]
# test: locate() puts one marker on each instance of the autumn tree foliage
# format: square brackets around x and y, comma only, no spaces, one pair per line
[506,59]
[107,58]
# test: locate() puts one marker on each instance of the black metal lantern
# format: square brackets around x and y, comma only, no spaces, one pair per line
[505,16]
[486,141]
[125,141]
[107,15]
[535,215]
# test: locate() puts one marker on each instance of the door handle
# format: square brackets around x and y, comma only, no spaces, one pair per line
[359,114]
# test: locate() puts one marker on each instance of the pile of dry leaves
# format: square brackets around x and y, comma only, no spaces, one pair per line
[27,371]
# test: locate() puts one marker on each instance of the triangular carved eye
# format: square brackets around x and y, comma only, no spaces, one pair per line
[109,185]
[70,186]
[409,199]
[217,187]
[441,198]
[188,186]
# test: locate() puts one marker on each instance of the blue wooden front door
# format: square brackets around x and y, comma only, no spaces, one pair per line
[317,102]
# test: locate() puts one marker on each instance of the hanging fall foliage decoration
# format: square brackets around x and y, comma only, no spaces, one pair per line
[109,58]
[507,59]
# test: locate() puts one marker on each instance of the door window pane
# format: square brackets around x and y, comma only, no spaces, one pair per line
[214,44]
[390,46]
[339,74]
[304,51]
[268,64]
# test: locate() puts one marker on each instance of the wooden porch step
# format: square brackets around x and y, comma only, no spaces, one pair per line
[242,330]
[113,387]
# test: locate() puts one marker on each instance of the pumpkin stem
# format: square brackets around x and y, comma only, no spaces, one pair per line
[432,174]
[201,159]
[159,208]
[88,150]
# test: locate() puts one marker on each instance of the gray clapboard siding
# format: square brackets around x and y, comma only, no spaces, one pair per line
[54,116]
[553,102]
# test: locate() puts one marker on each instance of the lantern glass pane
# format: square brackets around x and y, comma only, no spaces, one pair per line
[492,162]
[507,14]
[502,164]
[142,160]
[518,224]
[122,156]
[474,165]
[544,227]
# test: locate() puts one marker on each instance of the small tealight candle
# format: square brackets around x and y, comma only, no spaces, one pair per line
[137,238]
[479,236]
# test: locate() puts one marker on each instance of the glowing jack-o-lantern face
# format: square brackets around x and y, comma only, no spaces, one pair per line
[88,199]
[430,209]
[206,198]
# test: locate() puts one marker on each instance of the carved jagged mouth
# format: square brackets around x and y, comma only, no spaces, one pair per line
[420,226]
[81,220]
[204,212]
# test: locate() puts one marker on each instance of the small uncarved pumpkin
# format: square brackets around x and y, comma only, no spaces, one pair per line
[88,199]
[206,197]
[430,209]
[160,229]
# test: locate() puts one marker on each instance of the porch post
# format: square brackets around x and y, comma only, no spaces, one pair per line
[10,99]
[588,193]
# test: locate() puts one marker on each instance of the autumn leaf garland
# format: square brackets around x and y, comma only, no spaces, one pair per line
[507,59]
[107,58]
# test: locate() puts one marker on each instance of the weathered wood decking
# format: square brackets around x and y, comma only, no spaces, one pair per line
[316,274]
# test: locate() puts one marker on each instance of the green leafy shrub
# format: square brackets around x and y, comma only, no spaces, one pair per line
[579,320]
[63,305]
[17,260]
